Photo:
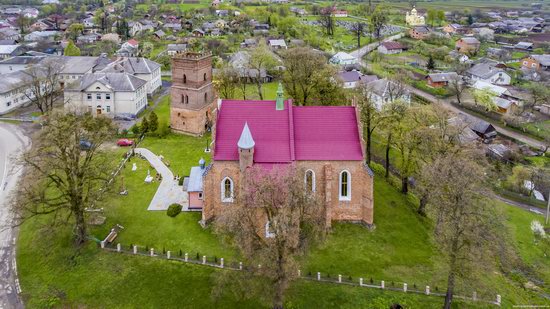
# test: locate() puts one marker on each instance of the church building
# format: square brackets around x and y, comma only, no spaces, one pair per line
[413,19]
[323,141]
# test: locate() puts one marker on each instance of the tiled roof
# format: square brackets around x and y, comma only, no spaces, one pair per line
[293,134]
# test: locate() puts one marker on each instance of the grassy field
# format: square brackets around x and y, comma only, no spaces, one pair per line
[540,129]
[400,249]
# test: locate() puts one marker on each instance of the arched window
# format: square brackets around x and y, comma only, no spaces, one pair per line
[345,186]
[227,190]
[204,76]
[187,99]
[269,232]
[205,97]
[184,79]
[182,98]
[309,180]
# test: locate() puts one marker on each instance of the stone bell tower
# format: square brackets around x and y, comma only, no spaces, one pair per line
[192,93]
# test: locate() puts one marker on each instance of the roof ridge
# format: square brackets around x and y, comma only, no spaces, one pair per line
[291,129]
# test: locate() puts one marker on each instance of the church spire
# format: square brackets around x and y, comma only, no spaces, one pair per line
[246,141]
[280,102]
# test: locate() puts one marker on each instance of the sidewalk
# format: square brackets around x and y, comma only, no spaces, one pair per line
[168,192]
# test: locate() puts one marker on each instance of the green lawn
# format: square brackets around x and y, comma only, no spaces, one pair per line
[400,249]
[540,129]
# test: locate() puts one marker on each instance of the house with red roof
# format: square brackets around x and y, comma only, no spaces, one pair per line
[322,141]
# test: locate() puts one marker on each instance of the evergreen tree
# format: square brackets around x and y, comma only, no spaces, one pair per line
[144,126]
[72,50]
[431,64]
[153,122]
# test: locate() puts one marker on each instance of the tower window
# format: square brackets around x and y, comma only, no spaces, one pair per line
[204,76]
[205,97]
[184,79]
[186,99]
[182,98]
[310,181]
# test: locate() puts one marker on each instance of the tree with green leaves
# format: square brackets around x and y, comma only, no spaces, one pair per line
[261,60]
[144,127]
[75,30]
[66,171]
[378,20]
[226,81]
[357,28]
[485,97]
[71,50]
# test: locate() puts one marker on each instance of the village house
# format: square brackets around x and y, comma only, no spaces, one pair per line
[343,58]
[498,53]
[452,28]
[537,62]
[351,79]
[524,46]
[8,51]
[437,80]
[467,45]
[248,43]
[277,44]
[9,34]
[129,49]
[384,91]
[390,48]
[42,36]
[108,94]
[419,32]
[489,72]
[503,98]
[172,49]
[14,90]
[324,143]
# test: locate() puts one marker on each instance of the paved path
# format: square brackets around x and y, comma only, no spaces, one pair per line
[169,191]
[501,130]
[12,142]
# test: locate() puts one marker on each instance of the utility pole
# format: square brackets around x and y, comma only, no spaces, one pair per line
[547,208]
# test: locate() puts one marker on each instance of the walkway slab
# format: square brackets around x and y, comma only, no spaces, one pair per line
[168,192]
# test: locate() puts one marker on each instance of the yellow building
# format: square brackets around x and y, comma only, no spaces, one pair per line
[413,19]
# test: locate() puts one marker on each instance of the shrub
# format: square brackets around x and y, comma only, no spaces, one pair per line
[173,210]
[180,181]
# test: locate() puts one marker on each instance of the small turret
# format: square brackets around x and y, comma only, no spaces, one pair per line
[280,102]
[246,148]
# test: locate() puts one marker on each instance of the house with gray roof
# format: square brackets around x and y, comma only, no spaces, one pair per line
[353,78]
[8,51]
[143,68]
[384,91]
[14,90]
[489,72]
[107,94]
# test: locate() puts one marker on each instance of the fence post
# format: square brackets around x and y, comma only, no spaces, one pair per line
[118,247]
[427,290]
[498,299]
[102,244]
[168,254]
[204,259]
[318,276]
[135,249]
[474,296]
[221,262]
[152,252]
[404,287]
[339,278]
[360,281]
[382,284]
[240,265]
[186,256]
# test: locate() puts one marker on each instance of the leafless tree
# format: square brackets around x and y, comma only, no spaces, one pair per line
[42,84]
[275,221]
[327,21]
[465,225]
[65,170]
[457,88]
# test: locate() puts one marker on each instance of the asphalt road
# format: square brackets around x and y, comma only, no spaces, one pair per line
[12,142]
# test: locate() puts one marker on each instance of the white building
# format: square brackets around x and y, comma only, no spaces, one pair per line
[12,91]
[413,19]
[343,58]
[488,72]
[107,94]
[140,67]
[384,91]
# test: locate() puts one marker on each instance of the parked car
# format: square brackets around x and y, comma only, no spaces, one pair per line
[85,144]
[124,142]
[125,117]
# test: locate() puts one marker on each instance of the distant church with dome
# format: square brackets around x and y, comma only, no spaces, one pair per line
[413,19]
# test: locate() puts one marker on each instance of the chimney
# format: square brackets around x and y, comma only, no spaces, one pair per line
[246,148]
[280,102]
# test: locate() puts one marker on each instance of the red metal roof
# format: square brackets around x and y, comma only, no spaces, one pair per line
[295,133]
